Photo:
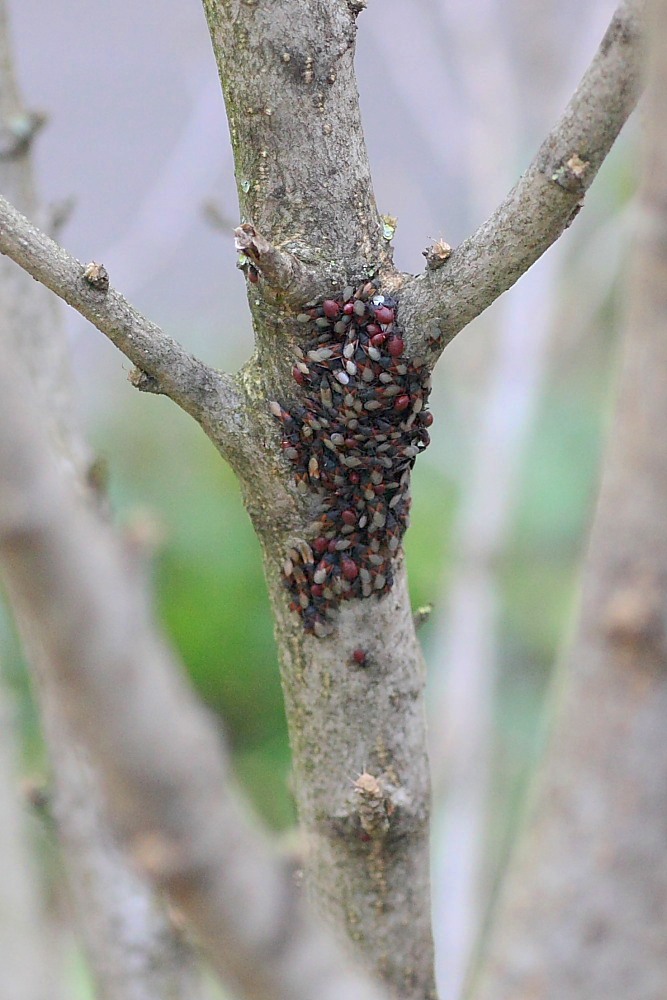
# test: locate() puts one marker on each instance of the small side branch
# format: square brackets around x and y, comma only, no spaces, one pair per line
[169,369]
[439,303]
[280,269]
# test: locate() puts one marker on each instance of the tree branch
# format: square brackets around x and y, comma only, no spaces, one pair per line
[439,303]
[167,775]
[354,699]
[170,370]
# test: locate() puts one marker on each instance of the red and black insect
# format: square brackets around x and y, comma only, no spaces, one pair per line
[352,434]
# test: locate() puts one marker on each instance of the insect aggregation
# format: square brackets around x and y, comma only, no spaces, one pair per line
[352,435]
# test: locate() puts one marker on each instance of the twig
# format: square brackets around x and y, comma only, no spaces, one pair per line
[166,771]
[542,203]
[216,217]
[173,372]
[57,215]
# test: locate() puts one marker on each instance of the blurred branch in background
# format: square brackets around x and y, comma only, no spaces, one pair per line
[164,765]
[583,911]
[548,195]
[171,207]
[467,641]
[133,951]
[28,967]
[464,660]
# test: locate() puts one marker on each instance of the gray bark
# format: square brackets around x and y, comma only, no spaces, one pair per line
[584,911]
[304,183]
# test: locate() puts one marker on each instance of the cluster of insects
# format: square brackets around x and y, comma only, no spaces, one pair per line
[352,434]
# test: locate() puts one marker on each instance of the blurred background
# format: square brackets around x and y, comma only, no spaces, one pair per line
[456,97]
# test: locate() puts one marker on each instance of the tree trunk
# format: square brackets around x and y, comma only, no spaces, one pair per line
[357,726]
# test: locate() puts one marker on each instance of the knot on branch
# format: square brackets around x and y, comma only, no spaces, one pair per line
[422,615]
[251,243]
[157,856]
[571,174]
[38,796]
[374,805]
[389,224]
[143,381]
[97,276]
[280,269]
[436,255]
[635,619]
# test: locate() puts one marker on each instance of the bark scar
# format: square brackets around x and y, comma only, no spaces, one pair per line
[374,805]
[571,174]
